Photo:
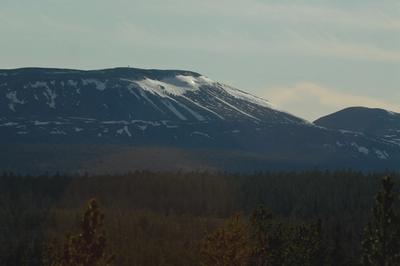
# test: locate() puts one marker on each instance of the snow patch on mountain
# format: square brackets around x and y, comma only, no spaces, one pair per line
[173,110]
[100,85]
[72,83]
[383,155]
[51,96]
[203,107]
[130,89]
[237,109]
[125,130]
[57,131]
[339,144]
[245,96]
[12,97]
[143,127]
[176,86]
[39,84]
[360,149]
[202,134]
[164,88]
[143,94]
[196,115]
[193,83]
[40,123]
[9,124]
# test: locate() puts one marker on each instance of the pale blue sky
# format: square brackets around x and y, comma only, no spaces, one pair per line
[306,57]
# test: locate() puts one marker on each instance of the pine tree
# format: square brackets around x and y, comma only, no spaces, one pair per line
[277,243]
[381,244]
[304,245]
[87,248]
[268,238]
[337,246]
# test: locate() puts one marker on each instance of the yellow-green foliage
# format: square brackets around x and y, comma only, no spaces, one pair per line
[228,246]
[144,237]
[263,240]
[87,248]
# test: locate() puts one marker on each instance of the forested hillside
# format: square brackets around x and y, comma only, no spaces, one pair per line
[176,218]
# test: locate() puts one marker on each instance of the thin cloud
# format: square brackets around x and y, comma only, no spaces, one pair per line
[311,100]
[352,50]
[236,43]
[361,17]
[221,42]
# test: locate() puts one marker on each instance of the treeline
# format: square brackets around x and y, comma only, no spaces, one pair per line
[170,218]
[264,239]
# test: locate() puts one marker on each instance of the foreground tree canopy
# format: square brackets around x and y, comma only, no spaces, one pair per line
[288,218]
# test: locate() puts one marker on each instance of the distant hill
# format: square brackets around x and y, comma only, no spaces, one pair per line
[375,122]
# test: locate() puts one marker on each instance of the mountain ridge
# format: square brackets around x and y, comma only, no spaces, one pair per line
[375,122]
[130,82]
[180,109]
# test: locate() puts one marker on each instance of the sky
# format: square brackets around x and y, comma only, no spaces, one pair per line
[310,58]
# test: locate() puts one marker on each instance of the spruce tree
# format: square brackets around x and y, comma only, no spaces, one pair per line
[381,244]
[268,237]
[305,245]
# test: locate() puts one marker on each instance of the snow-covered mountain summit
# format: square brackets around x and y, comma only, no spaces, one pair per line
[129,94]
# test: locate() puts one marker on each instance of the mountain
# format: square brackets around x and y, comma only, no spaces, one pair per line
[372,122]
[124,119]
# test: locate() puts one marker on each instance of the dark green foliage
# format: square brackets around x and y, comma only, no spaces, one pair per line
[337,249]
[268,237]
[381,244]
[160,218]
[305,246]
[283,243]
[265,241]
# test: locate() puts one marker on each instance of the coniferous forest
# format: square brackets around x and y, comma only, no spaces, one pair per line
[201,218]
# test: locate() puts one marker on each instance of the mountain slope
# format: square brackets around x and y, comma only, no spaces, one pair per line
[125,105]
[126,93]
[53,113]
[378,123]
